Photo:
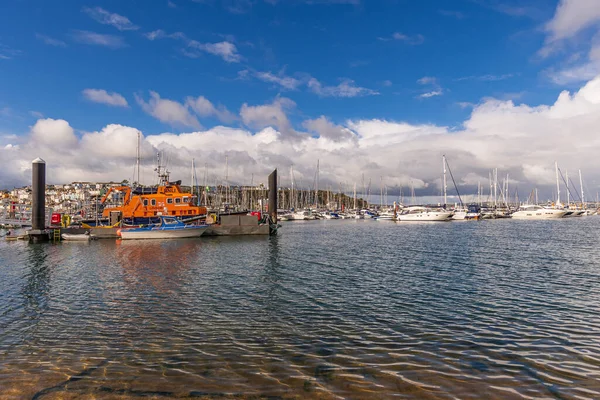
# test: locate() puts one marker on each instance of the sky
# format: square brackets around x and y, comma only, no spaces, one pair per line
[374,91]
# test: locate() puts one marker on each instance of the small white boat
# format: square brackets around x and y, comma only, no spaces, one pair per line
[386,216]
[76,237]
[303,215]
[418,213]
[460,214]
[532,211]
[168,228]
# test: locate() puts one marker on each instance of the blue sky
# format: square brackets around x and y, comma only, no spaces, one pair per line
[473,49]
[379,87]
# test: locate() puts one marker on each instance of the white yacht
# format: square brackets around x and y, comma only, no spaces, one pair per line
[303,215]
[418,213]
[460,213]
[532,211]
[386,216]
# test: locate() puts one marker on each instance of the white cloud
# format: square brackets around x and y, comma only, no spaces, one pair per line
[226,50]
[286,82]
[326,129]
[433,93]
[496,134]
[104,17]
[269,115]
[50,41]
[434,87]
[571,17]
[168,111]
[346,88]
[568,32]
[485,78]
[110,41]
[7,52]
[157,34]
[102,96]
[412,40]
[204,108]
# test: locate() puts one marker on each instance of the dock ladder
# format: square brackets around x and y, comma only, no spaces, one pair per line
[56,237]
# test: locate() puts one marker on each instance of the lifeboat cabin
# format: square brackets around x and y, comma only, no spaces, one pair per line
[146,203]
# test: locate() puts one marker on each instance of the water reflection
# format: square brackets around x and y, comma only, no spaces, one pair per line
[37,285]
[348,309]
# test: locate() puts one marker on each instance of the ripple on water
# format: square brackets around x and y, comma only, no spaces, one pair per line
[328,309]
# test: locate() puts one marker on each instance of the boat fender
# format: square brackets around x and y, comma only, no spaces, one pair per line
[119,232]
[66,221]
[213,218]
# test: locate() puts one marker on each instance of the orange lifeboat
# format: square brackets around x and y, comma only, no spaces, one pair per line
[143,204]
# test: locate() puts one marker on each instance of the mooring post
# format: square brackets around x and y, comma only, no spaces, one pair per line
[38,231]
[273,195]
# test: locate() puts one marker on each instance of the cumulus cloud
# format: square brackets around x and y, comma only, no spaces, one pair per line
[519,139]
[205,108]
[103,97]
[269,115]
[104,17]
[168,111]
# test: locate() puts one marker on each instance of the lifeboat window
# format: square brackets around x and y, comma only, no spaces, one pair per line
[177,200]
[153,202]
[146,202]
[185,199]
[169,201]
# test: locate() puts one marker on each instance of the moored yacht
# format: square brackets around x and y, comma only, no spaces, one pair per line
[418,213]
[532,211]
[302,215]
[473,212]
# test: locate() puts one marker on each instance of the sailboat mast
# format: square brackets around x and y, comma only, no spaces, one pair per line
[292,202]
[355,195]
[227,179]
[192,180]
[557,184]
[445,182]
[581,185]
[495,187]
[317,188]
[138,157]
[568,192]
[381,193]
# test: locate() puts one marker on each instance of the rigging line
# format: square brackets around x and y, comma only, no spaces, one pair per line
[573,184]
[566,184]
[455,187]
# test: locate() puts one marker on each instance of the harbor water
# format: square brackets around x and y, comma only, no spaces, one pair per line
[326,309]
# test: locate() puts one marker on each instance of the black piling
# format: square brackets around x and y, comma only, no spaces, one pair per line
[273,195]
[38,231]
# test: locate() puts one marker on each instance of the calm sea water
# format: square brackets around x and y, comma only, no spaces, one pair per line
[327,309]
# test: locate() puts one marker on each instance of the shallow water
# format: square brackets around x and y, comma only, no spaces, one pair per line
[326,309]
